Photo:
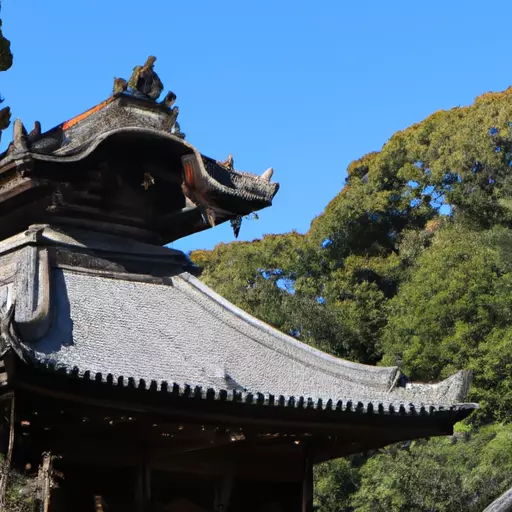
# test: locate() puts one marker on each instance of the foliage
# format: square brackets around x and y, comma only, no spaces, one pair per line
[409,264]
[20,495]
[5,64]
[454,312]
[5,52]
[454,474]
[335,482]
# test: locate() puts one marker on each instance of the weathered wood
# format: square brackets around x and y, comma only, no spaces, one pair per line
[45,482]
[21,186]
[8,458]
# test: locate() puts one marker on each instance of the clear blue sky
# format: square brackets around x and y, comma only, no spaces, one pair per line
[304,87]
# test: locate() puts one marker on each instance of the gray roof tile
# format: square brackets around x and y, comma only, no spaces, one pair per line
[187,335]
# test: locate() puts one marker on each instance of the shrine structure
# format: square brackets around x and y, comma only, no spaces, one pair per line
[123,373]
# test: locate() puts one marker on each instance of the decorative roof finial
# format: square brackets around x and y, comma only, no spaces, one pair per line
[145,81]
[229,163]
[19,139]
[169,99]
[267,175]
[120,85]
[35,133]
[145,84]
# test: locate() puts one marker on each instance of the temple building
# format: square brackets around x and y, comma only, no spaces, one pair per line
[127,384]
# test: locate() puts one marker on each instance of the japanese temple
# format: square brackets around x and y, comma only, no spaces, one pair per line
[126,384]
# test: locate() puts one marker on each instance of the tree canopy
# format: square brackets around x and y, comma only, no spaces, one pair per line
[5,64]
[409,264]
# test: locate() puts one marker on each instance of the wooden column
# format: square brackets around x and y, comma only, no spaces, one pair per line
[143,486]
[44,483]
[8,458]
[99,504]
[223,493]
[307,483]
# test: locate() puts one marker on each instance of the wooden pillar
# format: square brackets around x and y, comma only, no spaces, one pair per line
[143,486]
[307,483]
[8,458]
[44,483]
[223,493]
[45,475]
[99,504]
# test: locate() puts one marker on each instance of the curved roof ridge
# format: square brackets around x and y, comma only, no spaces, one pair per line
[79,152]
[373,376]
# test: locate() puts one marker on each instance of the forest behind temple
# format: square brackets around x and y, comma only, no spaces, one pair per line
[410,265]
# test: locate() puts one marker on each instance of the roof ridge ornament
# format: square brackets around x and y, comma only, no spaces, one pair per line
[267,175]
[144,83]
[229,163]
[19,140]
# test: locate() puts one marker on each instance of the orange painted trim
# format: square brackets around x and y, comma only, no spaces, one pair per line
[189,172]
[85,115]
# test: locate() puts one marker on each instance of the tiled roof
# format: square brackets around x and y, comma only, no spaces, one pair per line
[176,333]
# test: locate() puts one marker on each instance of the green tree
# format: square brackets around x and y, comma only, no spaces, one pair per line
[5,64]
[335,482]
[454,474]
[454,312]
